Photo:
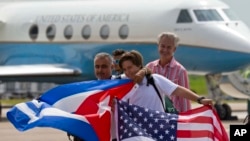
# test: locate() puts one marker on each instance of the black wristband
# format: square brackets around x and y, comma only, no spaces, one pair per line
[199,99]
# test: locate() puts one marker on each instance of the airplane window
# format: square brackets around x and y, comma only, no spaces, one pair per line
[34,32]
[104,32]
[68,32]
[184,17]
[86,31]
[51,32]
[231,15]
[123,31]
[207,15]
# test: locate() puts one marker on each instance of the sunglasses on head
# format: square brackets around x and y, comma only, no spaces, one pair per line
[116,61]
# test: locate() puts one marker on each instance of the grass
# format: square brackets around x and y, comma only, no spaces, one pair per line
[198,84]
[12,101]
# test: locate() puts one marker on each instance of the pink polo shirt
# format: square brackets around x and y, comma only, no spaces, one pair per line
[175,72]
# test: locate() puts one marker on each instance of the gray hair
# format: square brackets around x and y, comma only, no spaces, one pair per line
[170,35]
[104,55]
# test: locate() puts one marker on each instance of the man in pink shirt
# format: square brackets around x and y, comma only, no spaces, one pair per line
[167,66]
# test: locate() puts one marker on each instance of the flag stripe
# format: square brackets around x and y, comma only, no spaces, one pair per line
[138,138]
[194,134]
[195,118]
[195,126]
[195,139]
[71,103]
[63,91]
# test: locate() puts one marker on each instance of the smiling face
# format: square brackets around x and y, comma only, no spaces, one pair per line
[130,69]
[131,62]
[166,48]
[103,66]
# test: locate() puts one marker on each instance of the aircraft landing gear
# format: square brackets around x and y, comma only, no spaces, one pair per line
[224,111]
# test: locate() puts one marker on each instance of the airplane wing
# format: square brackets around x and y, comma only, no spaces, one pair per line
[39,70]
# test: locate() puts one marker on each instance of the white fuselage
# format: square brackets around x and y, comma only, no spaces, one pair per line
[79,29]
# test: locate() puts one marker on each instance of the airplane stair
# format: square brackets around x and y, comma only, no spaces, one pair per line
[236,86]
[230,90]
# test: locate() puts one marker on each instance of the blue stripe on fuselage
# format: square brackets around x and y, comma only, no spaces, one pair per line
[81,56]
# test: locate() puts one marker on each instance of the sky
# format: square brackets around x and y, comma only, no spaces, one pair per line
[241,8]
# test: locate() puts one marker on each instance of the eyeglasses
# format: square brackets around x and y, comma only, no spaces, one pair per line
[116,61]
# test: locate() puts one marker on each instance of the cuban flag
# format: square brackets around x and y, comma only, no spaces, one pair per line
[82,109]
[136,123]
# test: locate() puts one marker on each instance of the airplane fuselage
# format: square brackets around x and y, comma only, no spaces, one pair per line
[72,32]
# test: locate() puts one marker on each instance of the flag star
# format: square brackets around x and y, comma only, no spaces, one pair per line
[135,108]
[145,119]
[140,124]
[155,131]
[162,116]
[125,121]
[161,136]
[151,115]
[173,118]
[135,119]
[172,137]
[140,133]
[121,127]
[129,134]
[130,125]
[166,132]
[125,130]
[172,126]
[121,117]
[150,125]
[167,120]
[140,114]
[146,109]
[161,126]
[103,106]
[135,129]
[156,120]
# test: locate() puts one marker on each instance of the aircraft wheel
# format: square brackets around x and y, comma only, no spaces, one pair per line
[228,110]
[221,111]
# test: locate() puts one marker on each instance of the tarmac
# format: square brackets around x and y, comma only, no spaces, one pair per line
[9,133]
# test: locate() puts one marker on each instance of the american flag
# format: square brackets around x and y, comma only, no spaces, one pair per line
[135,123]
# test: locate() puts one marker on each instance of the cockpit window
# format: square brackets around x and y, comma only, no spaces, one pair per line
[207,15]
[230,14]
[184,17]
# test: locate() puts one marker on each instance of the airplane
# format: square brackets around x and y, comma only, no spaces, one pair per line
[56,41]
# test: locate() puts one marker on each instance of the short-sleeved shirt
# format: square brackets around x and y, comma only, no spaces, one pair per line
[175,72]
[146,96]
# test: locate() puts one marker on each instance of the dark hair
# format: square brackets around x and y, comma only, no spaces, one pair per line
[134,56]
[118,52]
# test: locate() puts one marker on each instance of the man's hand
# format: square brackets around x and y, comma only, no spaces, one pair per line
[141,74]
